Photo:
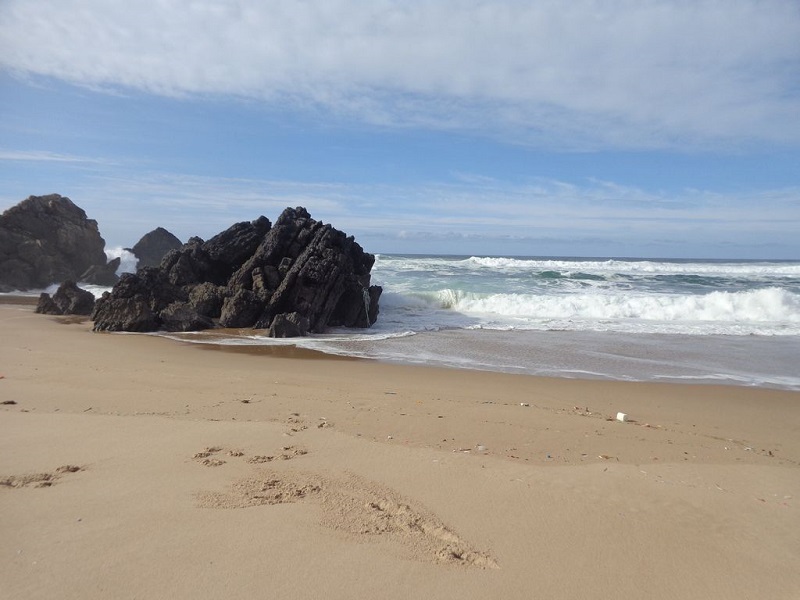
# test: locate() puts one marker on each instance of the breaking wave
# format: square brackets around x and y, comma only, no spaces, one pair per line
[769,311]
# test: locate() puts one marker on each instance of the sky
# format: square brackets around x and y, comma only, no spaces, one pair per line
[614,128]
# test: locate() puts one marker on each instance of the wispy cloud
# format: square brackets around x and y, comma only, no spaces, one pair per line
[533,212]
[46,156]
[582,74]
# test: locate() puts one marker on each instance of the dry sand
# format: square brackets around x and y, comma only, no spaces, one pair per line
[141,467]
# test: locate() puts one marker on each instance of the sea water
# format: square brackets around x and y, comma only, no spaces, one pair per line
[720,321]
[712,321]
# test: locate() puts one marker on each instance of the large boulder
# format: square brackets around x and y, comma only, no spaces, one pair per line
[45,240]
[311,274]
[154,246]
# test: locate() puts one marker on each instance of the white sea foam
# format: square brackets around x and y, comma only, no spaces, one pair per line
[769,311]
[127,258]
[732,322]
[765,305]
[612,266]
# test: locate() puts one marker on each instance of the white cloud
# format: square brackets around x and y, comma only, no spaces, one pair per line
[584,73]
[460,214]
[46,156]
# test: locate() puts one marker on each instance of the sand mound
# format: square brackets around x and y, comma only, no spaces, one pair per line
[356,507]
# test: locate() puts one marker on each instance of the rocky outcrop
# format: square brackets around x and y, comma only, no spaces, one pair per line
[154,246]
[299,276]
[45,240]
[69,299]
[103,275]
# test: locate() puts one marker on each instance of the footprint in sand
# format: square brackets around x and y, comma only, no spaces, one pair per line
[287,453]
[207,456]
[297,424]
[358,508]
[38,480]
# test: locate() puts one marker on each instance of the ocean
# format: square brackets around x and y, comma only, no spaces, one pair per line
[734,322]
[706,321]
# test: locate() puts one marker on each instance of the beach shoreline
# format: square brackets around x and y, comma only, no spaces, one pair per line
[531,483]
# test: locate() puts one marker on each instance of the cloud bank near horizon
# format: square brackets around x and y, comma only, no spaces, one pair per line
[588,74]
[604,217]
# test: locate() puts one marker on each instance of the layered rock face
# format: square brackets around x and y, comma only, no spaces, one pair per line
[153,246]
[44,240]
[295,277]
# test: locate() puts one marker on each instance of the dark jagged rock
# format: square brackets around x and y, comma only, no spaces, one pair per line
[215,260]
[295,277]
[288,325]
[186,265]
[105,275]
[148,291]
[69,299]
[241,309]
[125,314]
[181,316]
[329,278]
[207,298]
[236,244]
[46,305]
[45,240]
[154,246]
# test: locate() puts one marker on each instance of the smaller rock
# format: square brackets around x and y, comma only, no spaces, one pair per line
[46,306]
[287,325]
[154,246]
[241,309]
[180,316]
[105,275]
[207,298]
[123,314]
[69,299]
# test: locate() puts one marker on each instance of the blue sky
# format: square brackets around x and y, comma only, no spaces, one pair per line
[654,128]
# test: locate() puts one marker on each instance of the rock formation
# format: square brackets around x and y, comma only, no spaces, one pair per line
[154,246]
[45,240]
[296,277]
[104,275]
[69,299]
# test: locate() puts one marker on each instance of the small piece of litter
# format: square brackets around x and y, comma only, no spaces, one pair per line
[524,404]
[622,417]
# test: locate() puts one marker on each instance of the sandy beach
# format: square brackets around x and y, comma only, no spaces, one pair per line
[134,466]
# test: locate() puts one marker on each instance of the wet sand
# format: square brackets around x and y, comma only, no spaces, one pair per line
[138,466]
